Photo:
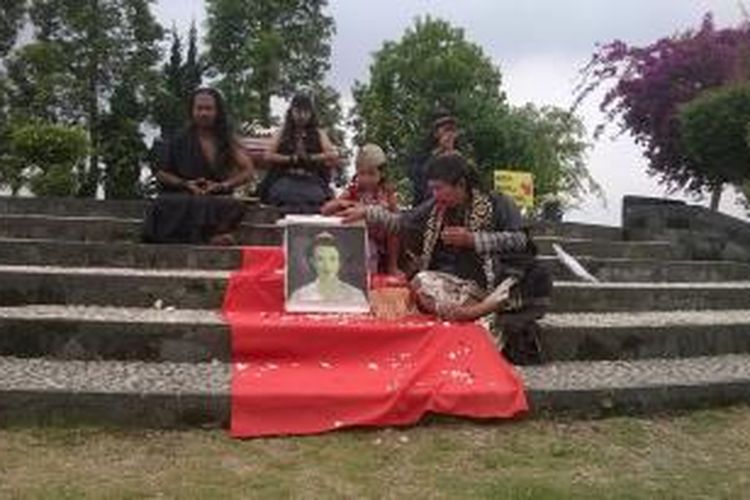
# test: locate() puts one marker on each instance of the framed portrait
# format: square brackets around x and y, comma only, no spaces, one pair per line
[326,265]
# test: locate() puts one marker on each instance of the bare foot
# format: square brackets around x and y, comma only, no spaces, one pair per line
[456,312]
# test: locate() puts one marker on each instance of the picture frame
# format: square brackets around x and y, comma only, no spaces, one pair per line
[326,265]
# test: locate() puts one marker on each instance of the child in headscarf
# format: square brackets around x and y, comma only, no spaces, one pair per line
[371,187]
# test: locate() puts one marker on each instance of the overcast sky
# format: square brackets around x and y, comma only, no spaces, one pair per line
[539,46]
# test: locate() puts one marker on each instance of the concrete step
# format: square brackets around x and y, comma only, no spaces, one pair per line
[631,297]
[197,394]
[200,289]
[651,270]
[77,207]
[119,209]
[577,230]
[140,334]
[639,335]
[120,254]
[70,228]
[95,333]
[125,254]
[649,250]
[134,209]
[101,229]
[182,289]
[111,229]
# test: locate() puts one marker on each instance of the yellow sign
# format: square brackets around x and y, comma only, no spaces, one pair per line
[516,184]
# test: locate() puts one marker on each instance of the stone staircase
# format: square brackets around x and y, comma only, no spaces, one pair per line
[81,338]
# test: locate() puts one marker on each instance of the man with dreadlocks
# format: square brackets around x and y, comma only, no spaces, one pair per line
[199,169]
[476,259]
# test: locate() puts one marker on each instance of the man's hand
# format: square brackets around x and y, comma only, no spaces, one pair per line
[196,187]
[212,187]
[457,236]
[354,213]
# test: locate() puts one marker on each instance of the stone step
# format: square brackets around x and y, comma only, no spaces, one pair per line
[166,395]
[108,229]
[118,209]
[639,335]
[139,334]
[649,250]
[201,289]
[651,270]
[577,230]
[123,287]
[71,228]
[134,209]
[77,207]
[630,297]
[95,333]
[125,254]
[120,254]
[111,229]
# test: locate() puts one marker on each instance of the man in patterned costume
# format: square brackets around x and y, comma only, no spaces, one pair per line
[476,258]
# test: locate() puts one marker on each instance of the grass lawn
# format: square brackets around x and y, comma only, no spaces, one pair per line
[704,454]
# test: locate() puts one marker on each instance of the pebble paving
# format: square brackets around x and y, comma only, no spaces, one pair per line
[113,314]
[213,378]
[653,319]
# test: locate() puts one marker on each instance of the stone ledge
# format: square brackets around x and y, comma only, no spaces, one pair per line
[46,252]
[673,334]
[148,334]
[169,395]
[200,289]
[95,333]
[652,270]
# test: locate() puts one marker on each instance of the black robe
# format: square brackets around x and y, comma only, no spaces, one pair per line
[178,216]
[298,189]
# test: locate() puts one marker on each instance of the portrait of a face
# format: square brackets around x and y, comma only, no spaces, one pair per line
[326,269]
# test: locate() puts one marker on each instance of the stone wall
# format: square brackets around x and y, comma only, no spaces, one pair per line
[696,232]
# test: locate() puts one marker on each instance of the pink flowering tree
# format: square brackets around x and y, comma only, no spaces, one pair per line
[644,88]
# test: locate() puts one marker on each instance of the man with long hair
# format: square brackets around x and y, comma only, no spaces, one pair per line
[476,260]
[301,160]
[198,171]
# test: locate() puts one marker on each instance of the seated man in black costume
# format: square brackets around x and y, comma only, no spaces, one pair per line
[197,172]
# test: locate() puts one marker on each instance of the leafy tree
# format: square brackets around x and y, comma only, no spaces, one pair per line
[11,20]
[47,156]
[169,104]
[179,78]
[194,65]
[713,133]
[433,66]
[122,148]
[85,50]
[552,141]
[40,85]
[332,120]
[647,85]
[265,48]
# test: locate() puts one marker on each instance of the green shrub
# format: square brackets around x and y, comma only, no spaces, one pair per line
[48,157]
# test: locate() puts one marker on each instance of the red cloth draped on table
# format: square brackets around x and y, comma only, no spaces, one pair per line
[302,374]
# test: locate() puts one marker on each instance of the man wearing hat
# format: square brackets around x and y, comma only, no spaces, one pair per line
[442,140]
